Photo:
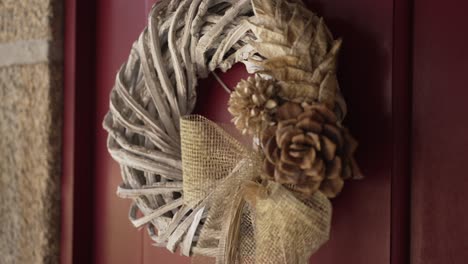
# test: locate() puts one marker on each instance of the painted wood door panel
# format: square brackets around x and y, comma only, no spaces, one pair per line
[440,128]
[361,219]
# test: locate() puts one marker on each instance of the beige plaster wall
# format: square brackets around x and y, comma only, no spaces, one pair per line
[30,130]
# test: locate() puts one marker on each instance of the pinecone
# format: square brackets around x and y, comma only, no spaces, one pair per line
[309,150]
[252,104]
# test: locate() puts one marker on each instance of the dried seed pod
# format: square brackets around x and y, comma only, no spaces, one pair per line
[252,104]
[301,54]
[309,150]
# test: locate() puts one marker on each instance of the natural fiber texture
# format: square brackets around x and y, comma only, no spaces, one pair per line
[288,230]
[247,222]
[181,195]
[208,155]
[215,168]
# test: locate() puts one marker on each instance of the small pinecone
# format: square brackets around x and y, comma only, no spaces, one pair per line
[252,104]
[308,150]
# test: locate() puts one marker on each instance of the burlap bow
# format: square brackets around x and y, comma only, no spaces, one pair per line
[247,221]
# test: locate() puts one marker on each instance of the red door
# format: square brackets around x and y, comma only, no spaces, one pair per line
[370,220]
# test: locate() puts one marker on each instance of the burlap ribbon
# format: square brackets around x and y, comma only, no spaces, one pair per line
[247,221]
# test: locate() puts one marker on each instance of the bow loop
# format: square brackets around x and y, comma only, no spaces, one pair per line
[209,155]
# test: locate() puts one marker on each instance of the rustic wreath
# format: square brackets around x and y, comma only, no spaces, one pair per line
[196,187]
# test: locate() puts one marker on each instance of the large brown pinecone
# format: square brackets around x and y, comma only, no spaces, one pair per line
[309,150]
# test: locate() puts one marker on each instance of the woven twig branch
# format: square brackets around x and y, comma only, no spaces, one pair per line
[184,41]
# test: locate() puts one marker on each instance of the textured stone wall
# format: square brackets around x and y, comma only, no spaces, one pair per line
[30,130]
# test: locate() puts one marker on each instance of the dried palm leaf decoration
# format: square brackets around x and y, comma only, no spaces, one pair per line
[197,188]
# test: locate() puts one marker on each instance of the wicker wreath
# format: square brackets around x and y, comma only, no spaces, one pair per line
[293,56]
